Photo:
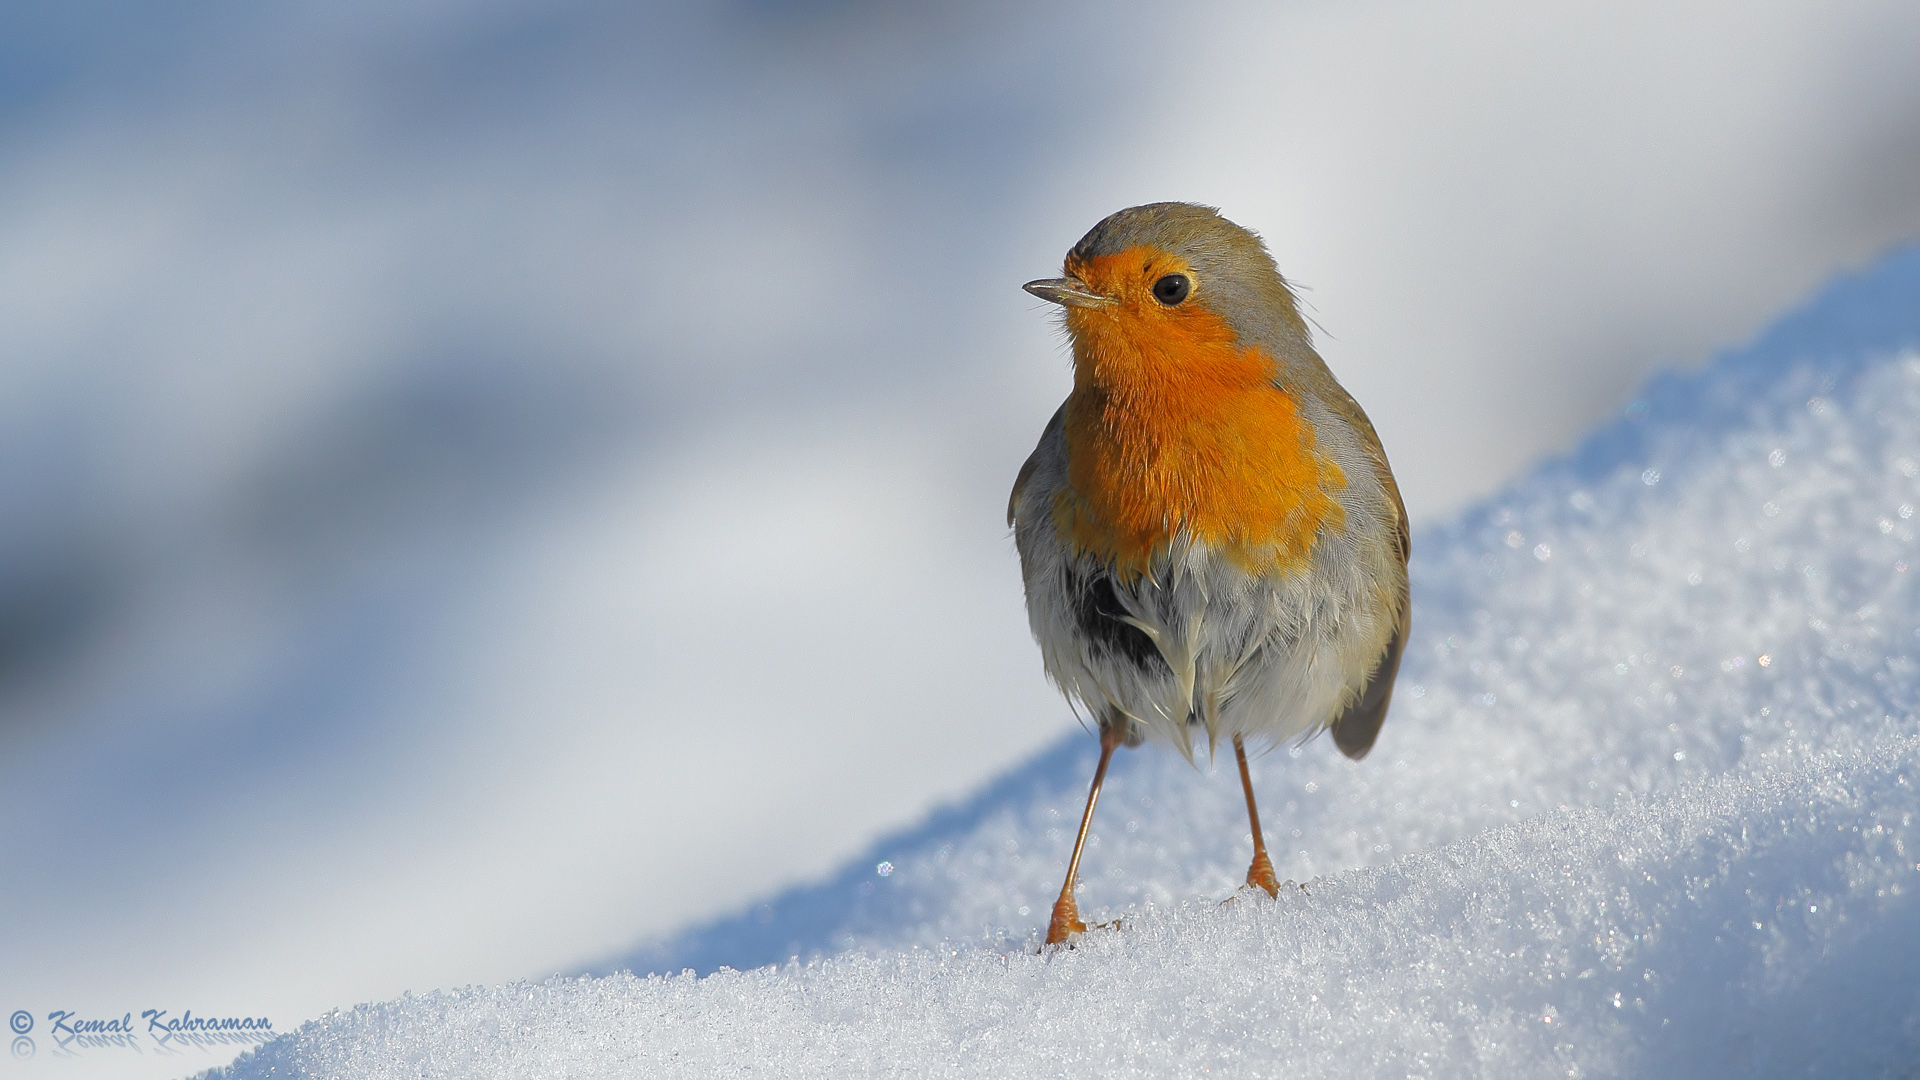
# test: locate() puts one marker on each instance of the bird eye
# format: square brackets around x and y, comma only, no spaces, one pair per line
[1172,289]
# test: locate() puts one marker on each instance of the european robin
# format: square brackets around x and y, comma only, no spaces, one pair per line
[1211,539]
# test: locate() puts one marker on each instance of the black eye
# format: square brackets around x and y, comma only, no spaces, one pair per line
[1172,289]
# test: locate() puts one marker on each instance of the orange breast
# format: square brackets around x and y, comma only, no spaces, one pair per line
[1173,427]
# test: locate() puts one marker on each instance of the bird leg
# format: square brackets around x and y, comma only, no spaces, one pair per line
[1261,872]
[1066,914]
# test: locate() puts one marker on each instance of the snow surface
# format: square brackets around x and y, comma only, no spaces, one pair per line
[1646,802]
[363,447]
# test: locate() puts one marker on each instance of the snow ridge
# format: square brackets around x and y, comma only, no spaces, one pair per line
[1646,801]
[1708,933]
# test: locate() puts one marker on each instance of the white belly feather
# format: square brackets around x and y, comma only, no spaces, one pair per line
[1268,656]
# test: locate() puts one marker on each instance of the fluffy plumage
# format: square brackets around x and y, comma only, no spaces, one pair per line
[1211,540]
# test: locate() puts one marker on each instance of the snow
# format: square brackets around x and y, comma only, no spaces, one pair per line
[1646,800]
[1578,942]
[382,498]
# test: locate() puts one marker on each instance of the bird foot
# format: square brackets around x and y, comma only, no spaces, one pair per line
[1261,874]
[1247,890]
[1066,924]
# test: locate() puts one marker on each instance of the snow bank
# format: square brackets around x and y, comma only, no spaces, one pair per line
[1647,800]
[1751,925]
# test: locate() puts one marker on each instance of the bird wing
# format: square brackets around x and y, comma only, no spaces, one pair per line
[1033,463]
[1355,729]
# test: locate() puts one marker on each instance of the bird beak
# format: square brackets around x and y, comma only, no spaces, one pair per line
[1067,292]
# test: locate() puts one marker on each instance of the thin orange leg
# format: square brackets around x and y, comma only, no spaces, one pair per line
[1066,913]
[1261,872]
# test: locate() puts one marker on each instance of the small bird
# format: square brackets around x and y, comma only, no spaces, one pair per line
[1210,537]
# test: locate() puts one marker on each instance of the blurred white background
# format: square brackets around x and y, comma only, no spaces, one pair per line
[483,485]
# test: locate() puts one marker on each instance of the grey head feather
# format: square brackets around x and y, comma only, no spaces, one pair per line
[1235,276]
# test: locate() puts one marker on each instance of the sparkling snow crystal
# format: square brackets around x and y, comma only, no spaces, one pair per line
[1646,803]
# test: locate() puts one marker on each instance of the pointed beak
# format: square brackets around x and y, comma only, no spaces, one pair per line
[1067,292]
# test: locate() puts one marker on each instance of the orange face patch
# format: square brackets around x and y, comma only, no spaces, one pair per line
[1172,426]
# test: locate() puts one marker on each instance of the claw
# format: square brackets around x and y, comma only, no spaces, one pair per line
[1066,922]
[1261,874]
[1066,925]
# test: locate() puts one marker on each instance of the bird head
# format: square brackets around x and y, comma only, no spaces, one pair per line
[1164,281]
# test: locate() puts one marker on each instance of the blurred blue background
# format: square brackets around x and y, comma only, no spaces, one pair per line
[486,485]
